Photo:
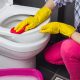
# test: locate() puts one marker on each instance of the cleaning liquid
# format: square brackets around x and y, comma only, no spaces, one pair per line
[18,78]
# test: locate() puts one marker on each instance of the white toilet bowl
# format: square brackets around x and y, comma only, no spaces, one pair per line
[18,51]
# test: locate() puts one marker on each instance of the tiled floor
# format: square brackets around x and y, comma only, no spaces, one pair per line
[52,72]
[49,71]
[58,77]
[53,75]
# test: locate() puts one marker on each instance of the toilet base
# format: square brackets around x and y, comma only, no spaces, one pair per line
[6,62]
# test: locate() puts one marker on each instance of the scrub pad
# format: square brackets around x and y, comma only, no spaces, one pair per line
[14,31]
[19,32]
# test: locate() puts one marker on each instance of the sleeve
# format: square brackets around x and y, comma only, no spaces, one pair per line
[61,2]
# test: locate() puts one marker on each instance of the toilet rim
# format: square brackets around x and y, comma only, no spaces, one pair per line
[26,13]
[30,31]
[23,47]
[6,31]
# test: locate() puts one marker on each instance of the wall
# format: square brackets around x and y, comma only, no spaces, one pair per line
[68,17]
[69,13]
[36,3]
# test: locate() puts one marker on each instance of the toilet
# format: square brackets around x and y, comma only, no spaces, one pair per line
[19,50]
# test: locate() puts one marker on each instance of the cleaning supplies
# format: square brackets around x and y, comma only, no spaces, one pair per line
[20,74]
[18,78]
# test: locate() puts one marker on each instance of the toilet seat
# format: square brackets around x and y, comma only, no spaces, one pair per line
[21,51]
[21,47]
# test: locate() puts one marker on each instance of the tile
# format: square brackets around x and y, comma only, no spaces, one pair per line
[58,77]
[62,71]
[46,73]
[50,71]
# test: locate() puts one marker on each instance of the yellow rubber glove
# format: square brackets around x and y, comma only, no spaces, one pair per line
[58,27]
[33,21]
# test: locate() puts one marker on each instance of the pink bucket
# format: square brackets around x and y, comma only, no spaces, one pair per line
[21,72]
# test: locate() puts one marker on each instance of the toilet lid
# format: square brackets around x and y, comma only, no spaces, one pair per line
[4,3]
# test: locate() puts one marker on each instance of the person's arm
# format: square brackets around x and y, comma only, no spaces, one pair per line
[50,4]
[76,37]
[33,21]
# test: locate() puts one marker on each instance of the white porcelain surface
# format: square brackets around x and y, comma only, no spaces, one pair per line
[22,50]
[7,62]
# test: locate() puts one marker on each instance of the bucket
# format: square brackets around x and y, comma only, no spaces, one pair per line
[20,74]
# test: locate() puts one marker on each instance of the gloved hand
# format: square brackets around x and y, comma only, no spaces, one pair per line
[58,27]
[33,21]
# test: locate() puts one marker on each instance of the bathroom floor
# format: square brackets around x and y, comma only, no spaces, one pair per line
[52,72]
